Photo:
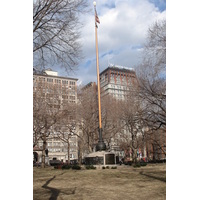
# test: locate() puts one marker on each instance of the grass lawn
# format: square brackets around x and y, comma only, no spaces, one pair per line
[125,182]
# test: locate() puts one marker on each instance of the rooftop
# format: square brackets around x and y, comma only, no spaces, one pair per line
[52,75]
[118,68]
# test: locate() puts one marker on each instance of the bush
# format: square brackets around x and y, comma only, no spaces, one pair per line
[107,167]
[114,167]
[90,167]
[142,164]
[77,167]
[103,167]
[136,165]
[66,167]
[157,161]
[87,166]
[55,162]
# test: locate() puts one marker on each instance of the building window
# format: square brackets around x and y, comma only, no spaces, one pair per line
[72,97]
[50,80]
[42,79]
[57,81]
[72,83]
[64,82]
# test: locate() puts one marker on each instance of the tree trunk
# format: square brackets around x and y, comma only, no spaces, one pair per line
[79,153]
[68,151]
[135,155]
[43,152]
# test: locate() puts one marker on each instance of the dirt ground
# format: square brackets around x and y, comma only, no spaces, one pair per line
[125,182]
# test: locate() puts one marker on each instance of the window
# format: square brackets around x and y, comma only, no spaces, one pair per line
[41,79]
[50,80]
[72,97]
[72,83]
[64,82]
[106,76]
[57,81]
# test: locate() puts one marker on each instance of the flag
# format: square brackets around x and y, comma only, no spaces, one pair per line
[97,19]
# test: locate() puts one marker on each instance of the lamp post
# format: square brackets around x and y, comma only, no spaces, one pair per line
[101,145]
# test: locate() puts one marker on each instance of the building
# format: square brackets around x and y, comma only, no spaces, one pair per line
[58,92]
[56,86]
[117,81]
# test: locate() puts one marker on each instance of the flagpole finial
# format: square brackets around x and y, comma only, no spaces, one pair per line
[94,3]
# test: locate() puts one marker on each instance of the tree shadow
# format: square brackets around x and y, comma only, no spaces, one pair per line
[154,177]
[55,192]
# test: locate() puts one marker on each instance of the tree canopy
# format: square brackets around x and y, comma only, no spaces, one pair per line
[56,32]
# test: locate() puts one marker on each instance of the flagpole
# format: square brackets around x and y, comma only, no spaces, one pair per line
[101,145]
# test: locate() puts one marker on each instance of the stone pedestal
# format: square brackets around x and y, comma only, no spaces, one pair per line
[100,158]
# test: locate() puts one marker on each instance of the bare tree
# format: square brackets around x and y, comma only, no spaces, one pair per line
[66,129]
[56,32]
[88,110]
[88,116]
[133,123]
[111,119]
[45,116]
[155,47]
[151,76]
[155,144]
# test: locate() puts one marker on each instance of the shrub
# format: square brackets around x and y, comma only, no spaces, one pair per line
[90,167]
[66,167]
[114,167]
[136,165]
[107,167]
[142,164]
[87,166]
[77,167]
[103,167]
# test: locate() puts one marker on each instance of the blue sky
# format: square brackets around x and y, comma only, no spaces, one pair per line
[121,34]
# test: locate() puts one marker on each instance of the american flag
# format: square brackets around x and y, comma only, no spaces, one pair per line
[96,18]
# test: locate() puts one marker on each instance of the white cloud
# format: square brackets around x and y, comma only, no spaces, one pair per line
[123,25]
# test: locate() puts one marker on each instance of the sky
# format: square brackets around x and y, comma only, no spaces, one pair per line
[121,35]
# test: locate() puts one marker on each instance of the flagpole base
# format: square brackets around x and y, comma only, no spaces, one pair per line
[101,146]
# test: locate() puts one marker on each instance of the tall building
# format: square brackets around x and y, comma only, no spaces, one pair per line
[117,81]
[58,92]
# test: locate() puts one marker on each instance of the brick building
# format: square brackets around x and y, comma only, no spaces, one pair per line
[117,81]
